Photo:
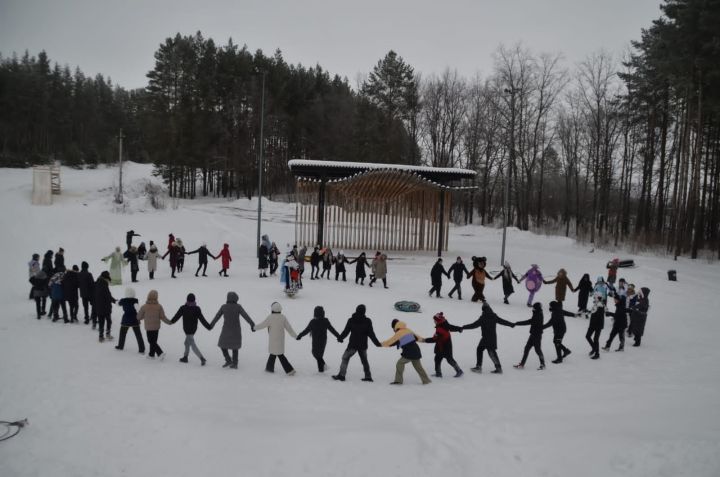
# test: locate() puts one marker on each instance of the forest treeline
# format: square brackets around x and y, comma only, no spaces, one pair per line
[612,150]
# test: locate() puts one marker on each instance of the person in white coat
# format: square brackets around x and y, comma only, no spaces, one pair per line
[277,324]
[152,256]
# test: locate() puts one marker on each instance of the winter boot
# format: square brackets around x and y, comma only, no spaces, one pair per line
[497,370]
[519,366]
[458,372]
[338,377]
[227,364]
[368,379]
[542,366]
[556,361]
[184,359]
[620,348]
[202,361]
[505,300]
[566,353]
[595,356]
[476,369]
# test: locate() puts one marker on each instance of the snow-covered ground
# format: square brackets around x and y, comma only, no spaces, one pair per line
[95,411]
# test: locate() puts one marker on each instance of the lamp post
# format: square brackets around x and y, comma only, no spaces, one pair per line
[511,161]
[119,197]
[260,163]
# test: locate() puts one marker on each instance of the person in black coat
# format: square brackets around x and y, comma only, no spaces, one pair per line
[128,238]
[315,264]
[597,323]
[487,322]
[40,292]
[458,271]
[318,328]
[619,323]
[360,328]
[71,285]
[142,250]
[131,255]
[443,344]
[436,274]
[639,314]
[557,321]
[507,278]
[47,263]
[60,260]
[191,314]
[86,284]
[203,254]
[535,339]
[129,320]
[102,305]
[340,261]
[360,264]
[584,287]
[327,261]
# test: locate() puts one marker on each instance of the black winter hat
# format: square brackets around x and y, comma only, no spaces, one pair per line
[85,265]
[35,256]
[191,297]
[75,268]
[553,305]
[393,323]
[105,274]
[537,306]
[360,310]
[319,312]
[486,307]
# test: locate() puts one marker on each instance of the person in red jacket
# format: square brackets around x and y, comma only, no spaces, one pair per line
[226,259]
[443,344]
[171,240]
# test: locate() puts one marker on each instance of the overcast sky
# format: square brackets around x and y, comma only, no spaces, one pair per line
[118,38]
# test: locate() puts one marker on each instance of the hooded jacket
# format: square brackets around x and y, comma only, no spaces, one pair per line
[231,334]
[360,328]
[436,273]
[619,315]
[406,340]
[203,254]
[86,281]
[318,328]
[487,322]
[562,283]
[442,338]
[152,312]
[458,271]
[535,321]
[557,318]
[129,317]
[103,299]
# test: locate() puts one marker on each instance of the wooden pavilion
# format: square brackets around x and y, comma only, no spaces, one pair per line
[368,206]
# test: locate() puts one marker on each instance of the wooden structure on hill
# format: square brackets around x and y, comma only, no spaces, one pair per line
[368,206]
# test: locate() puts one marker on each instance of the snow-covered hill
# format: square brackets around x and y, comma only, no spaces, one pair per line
[95,411]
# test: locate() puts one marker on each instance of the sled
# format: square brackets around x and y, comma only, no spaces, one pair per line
[628,263]
[408,306]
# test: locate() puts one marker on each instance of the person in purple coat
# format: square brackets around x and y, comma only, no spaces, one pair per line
[533,281]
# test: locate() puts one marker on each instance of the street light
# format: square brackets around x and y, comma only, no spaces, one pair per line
[260,164]
[511,161]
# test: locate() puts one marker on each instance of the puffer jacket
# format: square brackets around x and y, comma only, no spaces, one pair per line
[406,340]
[152,312]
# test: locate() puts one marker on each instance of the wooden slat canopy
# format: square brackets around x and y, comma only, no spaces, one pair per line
[368,206]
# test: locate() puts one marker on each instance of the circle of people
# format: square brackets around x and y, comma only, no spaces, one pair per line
[53,280]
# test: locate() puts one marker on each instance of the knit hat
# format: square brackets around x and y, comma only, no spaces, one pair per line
[129,293]
[75,268]
[35,256]
[553,305]
[319,312]
[439,317]
[393,323]
[486,307]
[276,308]
[85,265]
[537,306]
[360,310]
[105,274]
[191,298]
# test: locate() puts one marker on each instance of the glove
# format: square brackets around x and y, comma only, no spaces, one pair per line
[340,340]
[461,330]
[298,338]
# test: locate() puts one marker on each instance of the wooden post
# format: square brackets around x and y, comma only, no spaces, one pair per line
[321,213]
[441,225]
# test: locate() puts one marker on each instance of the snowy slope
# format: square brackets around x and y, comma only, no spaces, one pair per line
[95,411]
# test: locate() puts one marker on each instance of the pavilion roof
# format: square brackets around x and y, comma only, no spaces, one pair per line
[337,171]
